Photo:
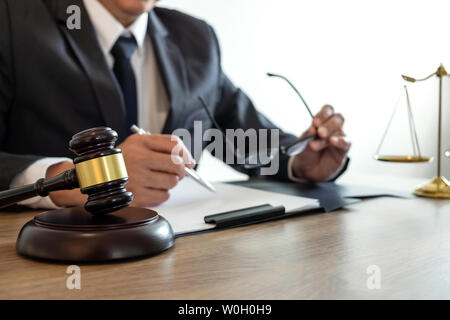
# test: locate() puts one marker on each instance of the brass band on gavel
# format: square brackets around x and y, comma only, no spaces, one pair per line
[100,170]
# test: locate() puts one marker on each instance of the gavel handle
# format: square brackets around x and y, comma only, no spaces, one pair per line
[65,181]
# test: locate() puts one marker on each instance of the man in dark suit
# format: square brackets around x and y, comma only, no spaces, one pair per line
[129,62]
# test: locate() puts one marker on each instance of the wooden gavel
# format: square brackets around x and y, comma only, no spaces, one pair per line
[99,172]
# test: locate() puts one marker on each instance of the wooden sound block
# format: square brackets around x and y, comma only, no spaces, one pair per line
[75,235]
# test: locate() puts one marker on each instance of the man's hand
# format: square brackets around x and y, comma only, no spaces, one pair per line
[152,168]
[65,198]
[323,157]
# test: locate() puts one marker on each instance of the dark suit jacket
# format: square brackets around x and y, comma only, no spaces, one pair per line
[55,82]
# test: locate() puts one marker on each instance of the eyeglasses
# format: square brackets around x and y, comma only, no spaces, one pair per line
[254,160]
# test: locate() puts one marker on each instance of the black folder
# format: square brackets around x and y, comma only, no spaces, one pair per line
[331,197]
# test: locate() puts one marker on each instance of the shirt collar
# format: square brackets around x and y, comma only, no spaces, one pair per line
[109,29]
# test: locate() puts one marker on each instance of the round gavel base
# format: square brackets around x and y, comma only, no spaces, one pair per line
[74,235]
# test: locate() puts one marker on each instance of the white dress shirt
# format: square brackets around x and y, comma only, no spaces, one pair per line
[153,104]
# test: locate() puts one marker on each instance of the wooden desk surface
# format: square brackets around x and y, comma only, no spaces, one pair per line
[322,256]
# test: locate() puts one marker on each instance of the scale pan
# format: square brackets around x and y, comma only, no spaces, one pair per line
[407,159]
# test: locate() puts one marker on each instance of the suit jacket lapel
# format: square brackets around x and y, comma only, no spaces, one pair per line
[173,70]
[86,48]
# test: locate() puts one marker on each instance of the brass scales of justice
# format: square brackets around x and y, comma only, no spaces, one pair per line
[438,187]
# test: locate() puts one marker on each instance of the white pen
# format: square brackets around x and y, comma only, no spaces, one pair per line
[190,172]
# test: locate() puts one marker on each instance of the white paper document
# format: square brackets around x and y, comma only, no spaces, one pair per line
[189,203]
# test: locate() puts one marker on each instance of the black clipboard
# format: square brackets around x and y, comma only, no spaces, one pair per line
[244,216]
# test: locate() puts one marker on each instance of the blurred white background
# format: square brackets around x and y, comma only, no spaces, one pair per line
[347,53]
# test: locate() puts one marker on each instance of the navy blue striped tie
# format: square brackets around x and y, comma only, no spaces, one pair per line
[122,51]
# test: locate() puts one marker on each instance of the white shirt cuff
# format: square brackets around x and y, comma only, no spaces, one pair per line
[33,173]
[291,175]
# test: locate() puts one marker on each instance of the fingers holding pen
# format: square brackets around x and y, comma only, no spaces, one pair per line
[155,164]
[170,144]
[164,162]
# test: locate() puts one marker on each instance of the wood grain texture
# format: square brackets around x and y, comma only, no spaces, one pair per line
[321,256]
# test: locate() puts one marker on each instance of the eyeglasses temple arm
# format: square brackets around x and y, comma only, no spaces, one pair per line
[295,89]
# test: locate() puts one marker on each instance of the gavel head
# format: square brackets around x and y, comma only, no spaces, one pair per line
[100,170]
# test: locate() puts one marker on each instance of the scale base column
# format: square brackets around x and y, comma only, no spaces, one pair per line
[438,188]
